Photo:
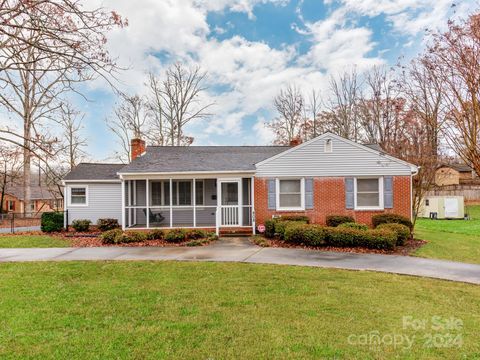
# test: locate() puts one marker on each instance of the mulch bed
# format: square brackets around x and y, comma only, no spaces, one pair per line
[97,242]
[405,250]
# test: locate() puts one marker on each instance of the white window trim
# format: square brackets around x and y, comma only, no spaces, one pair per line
[11,205]
[302,194]
[380,193]
[70,195]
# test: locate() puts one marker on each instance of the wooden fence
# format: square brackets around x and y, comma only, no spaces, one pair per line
[471,193]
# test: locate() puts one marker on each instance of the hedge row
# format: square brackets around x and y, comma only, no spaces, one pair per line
[341,231]
[117,236]
[314,235]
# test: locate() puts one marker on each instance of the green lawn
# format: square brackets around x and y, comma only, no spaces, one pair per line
[457,240]
[188,310]
[32,241]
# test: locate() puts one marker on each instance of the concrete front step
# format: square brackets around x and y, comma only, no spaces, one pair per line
[236,232]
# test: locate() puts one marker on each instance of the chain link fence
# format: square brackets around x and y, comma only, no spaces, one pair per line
[19,222]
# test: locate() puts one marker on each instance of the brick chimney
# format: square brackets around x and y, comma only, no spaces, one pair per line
[137,147]
[295,141]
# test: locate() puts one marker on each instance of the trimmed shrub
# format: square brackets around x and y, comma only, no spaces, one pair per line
[176,236]
[133,236]
[382,239]
[302,218]
[352,225]
[270,228]
[113,236]
[281,226]
[51,221]
[335,220]
[107,224]
[310,235]
[155,234]
[373,239]
[196,234]
[391,218]
[81,225]
[402,231]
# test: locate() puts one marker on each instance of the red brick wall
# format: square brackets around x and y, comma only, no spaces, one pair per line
[329,199]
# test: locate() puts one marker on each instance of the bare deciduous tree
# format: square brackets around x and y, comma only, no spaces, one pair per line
[47,47]
[181,97]
[73,143]
[453,59]
[342,115]
[290,106]
[10,169]
[157,127]
[129,122]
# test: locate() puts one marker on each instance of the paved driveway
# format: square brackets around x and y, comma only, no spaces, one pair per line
[241,250]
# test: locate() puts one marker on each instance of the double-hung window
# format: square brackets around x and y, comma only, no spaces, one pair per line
[369,193]
[78,196]
[11,205]
[290,194]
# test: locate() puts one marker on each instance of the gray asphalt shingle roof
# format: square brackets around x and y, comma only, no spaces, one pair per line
[201,158]
[37,192]
[92,171]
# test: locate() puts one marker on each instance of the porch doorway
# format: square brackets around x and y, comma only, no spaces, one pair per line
[230,195]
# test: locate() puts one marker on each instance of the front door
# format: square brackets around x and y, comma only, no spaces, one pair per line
[230,202]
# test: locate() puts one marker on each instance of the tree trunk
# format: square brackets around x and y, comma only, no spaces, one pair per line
[27,159]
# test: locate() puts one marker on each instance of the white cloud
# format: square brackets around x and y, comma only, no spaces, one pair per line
[250,73]
[409,16]
[262,133]
[336,45]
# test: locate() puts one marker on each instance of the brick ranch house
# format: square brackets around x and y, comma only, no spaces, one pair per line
[42,200]
[231,187]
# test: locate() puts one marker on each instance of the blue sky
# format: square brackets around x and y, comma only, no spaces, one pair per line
[250,49]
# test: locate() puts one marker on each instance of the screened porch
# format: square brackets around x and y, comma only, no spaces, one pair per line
[187,203]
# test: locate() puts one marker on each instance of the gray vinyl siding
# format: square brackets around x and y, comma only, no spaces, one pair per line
[104,201]
[345,159]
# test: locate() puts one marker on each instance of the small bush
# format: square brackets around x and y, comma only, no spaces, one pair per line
[176,236]
[260,241]
[155,234]
[51,221]
[301,218]
[196,234]
[391,218]
[197,242]
[381,239]
[281,226]
[134,236]
[107,224]
[211,236]
[402,231]
[352,225]
[335,220]
[81,225]
[310,235]
[373,239]
[113,236]
[270,228]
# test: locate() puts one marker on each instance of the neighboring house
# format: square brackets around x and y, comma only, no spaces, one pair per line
[43,199]
[241,186]
[454,174]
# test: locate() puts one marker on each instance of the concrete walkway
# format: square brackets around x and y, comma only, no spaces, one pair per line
[241,250]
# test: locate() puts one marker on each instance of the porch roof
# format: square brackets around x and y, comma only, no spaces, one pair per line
[175,159]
